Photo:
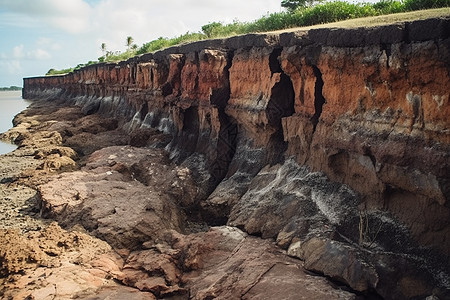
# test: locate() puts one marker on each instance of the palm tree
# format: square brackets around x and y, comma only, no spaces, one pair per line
[129,42]
[103,47]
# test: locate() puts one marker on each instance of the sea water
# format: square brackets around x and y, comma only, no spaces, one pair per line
[11,103]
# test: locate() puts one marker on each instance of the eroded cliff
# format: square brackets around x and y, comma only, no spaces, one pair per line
[334,142]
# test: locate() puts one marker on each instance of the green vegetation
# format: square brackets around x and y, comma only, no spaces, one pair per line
[52,72]
[298,13]
[424,4]
[59,72]
[292,5]
[11,88]
[161,42]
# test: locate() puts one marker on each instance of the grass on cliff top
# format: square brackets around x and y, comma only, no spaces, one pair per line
[380,20]
[324,14]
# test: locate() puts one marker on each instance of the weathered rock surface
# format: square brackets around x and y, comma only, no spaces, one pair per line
[334,142]
[38,259]
[223,263]
[236,266]
[55,264]
[142,206]
[125,195]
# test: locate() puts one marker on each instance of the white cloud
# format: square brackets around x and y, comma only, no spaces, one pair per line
[56,47]
[13,66]
[69,15]
[47,43]
[38,54]
[43,41]
[18,51]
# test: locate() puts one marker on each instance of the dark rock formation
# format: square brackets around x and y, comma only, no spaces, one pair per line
[334,142]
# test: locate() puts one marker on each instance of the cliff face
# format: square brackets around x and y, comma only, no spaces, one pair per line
[329,140]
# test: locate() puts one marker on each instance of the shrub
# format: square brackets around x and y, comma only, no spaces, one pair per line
[186,38]
[218,30]
[117,56]
[425,4]
[212,29]
[59,72]
[273,21]
[153,45]
[334,11]
[385,7]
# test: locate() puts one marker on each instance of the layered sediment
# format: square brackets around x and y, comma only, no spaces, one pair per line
[332,142]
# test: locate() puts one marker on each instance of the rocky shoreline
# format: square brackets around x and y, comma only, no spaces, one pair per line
[120,230]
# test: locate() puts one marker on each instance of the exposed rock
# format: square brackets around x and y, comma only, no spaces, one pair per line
[166,263]
[38,260]
[223,263]
[119,195]
[279,195]
[19,208]
[255,269]
[345,267]
[55,263]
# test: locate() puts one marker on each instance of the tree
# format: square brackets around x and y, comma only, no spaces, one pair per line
[211,29]
[130,41]
[103,47]
[294,4]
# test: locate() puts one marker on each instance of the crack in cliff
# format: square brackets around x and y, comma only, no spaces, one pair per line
[367,151]
[197,64]
[172,80]
[415,101]
[258,280]
[152,76]
[226,147]
[227,140]
[280,105]
[319,99]
[184,143]
[143,111]
[387,49]
[219,97]
[166,89]
[274,63]
[133,72]
[406,38]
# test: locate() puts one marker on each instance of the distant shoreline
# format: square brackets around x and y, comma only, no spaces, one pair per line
[11,88]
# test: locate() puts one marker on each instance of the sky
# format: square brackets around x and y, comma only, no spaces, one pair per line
[37,35]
